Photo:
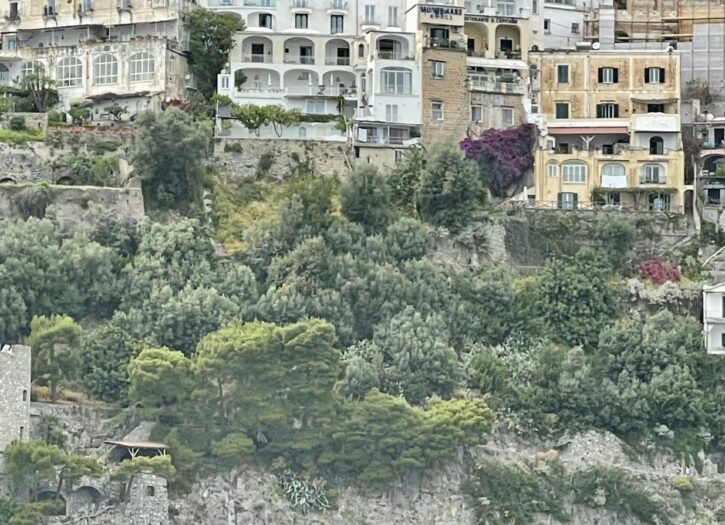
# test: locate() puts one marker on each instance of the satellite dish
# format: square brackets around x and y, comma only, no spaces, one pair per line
[596,45]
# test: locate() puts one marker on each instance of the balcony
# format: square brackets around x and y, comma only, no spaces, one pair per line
[338,5]
[656,122]
[259,3]
[392,55]
[299,4]
[337,61]
[446,43]
[250,57]
[498,84]
[321,91]
[124,5]
[11,16]
[299,59]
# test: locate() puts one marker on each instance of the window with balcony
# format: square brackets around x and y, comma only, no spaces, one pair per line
[437,68]
[307,55]
[652,174]
[86,6]
[69,72]
[316,106]
[391,112]
[507,116]
[656,146]
[607,110]
[13,11]
[505,8]
[612,170]
[396,81]
[552,168]
[140,67]
[369,15]
[476,113]
[608,75]
[439,37]
[654,75]
[392,16]
[436,109]
[655,108]
[562,110]
[574,172]
[337,24]
[105,69]
[301,20]
[49,8]
[659,201]
[389,49]
[562,74]
[567,200]
[265,20]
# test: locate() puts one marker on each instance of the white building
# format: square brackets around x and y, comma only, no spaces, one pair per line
[713,317]
[349,61]
[104,51]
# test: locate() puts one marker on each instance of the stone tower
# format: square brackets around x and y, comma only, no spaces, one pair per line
[14,394]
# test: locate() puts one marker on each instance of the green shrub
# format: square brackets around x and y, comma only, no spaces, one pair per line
[17,123]
[683,483]
[233,147]
[56,117]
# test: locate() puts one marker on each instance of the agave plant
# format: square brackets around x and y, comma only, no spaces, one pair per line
[305,495]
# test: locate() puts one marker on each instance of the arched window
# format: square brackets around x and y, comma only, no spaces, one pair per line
[31,67]
[361,50]
[613,170]
[303,132]
[653,174]
[140,67]
[552,168]
[4,68]
[396,81]
[574,172]
[105,69]
[69,72]
[656,146]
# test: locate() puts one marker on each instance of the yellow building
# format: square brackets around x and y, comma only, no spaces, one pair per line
[610,130]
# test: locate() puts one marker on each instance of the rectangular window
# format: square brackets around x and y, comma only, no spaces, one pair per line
[722,340]
[567,200]
[722,315]
[396,81]
[391,112]
[392,16]
[562,74]
[563,147]
[575,28]
[552,169]
[336,24]
[437,110]
[369,15]
[505,8]
[535,7]
[315,106]
[574,173]
[437,68]
[655,108]
[608,75]
[607,110]
[476,113]
[13,11]
[507,116]
[608,149]
[562,110]
[654,75]
[398,155]
[265,20]
[547,26]
[301,21]
[652,174]
[49,8]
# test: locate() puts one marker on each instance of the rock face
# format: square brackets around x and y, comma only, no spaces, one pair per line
[252,497]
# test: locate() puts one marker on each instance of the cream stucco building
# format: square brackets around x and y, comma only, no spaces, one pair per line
[105,51]
[610,130]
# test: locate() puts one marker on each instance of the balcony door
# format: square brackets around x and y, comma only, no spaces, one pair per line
[719,136]
[257,52]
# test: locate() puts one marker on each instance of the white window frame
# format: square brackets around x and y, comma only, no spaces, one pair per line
[69,72]
[141,67]
[437,68]
[302,17]
[335,27]
[105,69]
[369,17]
[476,113]
[396,81]
[437,110]
[392,16]
[569,200]
[609,109]
[653,174]
[573,172]
[653,75]
[31,67]
[313,106]
[507,116]
[552,169]
[391,112]
[609,167]
[607,75]
[505,8]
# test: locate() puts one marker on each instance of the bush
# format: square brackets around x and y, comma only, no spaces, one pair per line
[683,483]
[17,123]
[659,271]
[56,117]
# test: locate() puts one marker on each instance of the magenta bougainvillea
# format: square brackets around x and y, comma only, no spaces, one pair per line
[503,156]
[659,270]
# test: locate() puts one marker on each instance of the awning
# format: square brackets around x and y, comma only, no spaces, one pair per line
[496,63]
[613,130]
[137,444]
[652,98]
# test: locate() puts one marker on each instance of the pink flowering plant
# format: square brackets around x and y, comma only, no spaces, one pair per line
[659,271]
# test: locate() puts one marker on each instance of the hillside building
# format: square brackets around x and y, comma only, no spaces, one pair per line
[14,395]
[104,51]
[713,317]
[611,131]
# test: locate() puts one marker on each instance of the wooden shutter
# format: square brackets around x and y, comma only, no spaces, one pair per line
[662,75]
[576,200]
[600,75]
[600,111]
[646,75]
[615,75]
[558,200]
[616,110]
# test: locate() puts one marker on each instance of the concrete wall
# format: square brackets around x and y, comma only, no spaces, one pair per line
[14,393]
[32,120]
[73,207]
[451,90]
[240,158]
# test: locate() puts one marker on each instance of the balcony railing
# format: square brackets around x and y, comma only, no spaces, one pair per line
[337,61]
[301,4]
[322,91]
[448,43]
[496,83]
[299,59]
[371,22]
[250,57]
[392,55]
[11,16]
[338,4]
[711,144]
[597,206]
[260,3]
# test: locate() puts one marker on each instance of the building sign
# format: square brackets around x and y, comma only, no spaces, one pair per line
[494,19]
[437,14]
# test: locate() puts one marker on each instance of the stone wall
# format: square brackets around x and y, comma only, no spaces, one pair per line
[85,427]
[32,120]
[14,394]
[246,158]
[451,90]
[71,207]
[93,138]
